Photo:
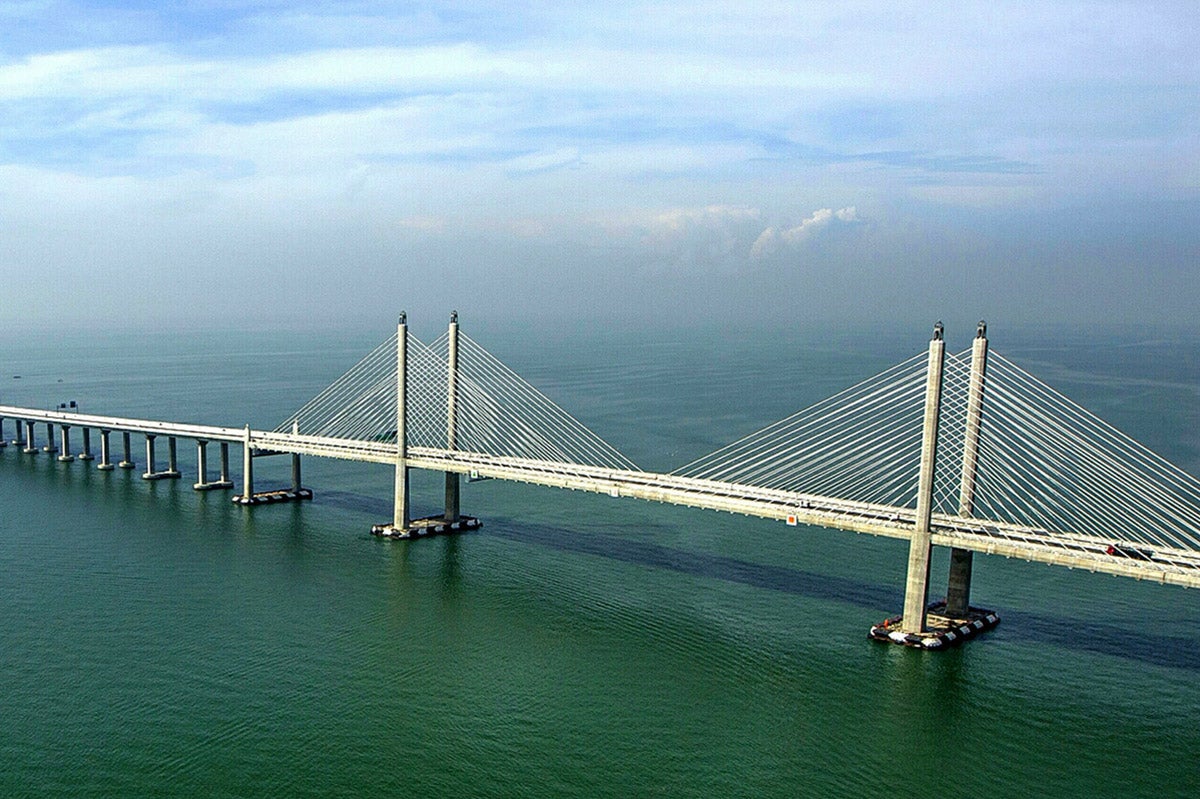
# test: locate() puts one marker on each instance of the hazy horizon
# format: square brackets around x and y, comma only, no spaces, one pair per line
[322,164]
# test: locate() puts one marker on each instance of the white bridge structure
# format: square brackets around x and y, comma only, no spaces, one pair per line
[959,450]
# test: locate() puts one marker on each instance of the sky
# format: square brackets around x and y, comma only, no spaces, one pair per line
[796,163]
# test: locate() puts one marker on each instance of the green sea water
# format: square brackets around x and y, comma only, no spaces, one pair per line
[156,641]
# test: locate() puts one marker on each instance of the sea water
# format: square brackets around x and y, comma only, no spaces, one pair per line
[157,641]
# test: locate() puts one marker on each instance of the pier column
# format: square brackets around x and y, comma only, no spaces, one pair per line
[3,440]
[958,591]
[30,443]
[86,455]
[150,470]
[172,459]
[66,456]
[49,439]
[202,482]
[105,464]
[247,469]
[127,460]
[201,464]
[916,590]
[452,478]
[19,435]
[400,515]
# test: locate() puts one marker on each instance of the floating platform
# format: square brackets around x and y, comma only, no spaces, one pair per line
[941,631]
[432,525]
[271,497]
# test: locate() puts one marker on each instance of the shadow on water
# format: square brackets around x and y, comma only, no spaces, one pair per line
[1061,631]
[1082,636]
[1141,646]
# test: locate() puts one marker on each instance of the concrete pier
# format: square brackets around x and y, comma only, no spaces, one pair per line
[30,443]
[18,439]
[50,439]
[86,454]
[105,464]
[151,473]
[3,440]
[202,481]
[251,497]
[127,460]
[202,468]
[66,456]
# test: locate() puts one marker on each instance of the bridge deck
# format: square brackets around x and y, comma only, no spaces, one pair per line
[1176,566]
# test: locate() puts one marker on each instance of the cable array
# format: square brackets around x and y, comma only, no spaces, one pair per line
[1044,461]
[1047,462]
[952,433]
[361,404]
[499,413]
[862,444]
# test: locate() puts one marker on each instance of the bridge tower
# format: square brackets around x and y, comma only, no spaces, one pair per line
[916,591]
[958,591]
[451,520]
[400,514]
[452,484]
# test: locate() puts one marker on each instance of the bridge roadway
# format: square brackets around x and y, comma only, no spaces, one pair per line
[1073,550]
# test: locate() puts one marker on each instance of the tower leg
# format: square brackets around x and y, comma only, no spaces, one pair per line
[916,587]
[400,514]
[452,497]
[958,591]
[247,495]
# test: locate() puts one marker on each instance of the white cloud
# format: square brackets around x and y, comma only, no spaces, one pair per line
[773,240]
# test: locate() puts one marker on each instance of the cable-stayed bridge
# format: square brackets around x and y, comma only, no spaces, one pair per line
[961,450]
